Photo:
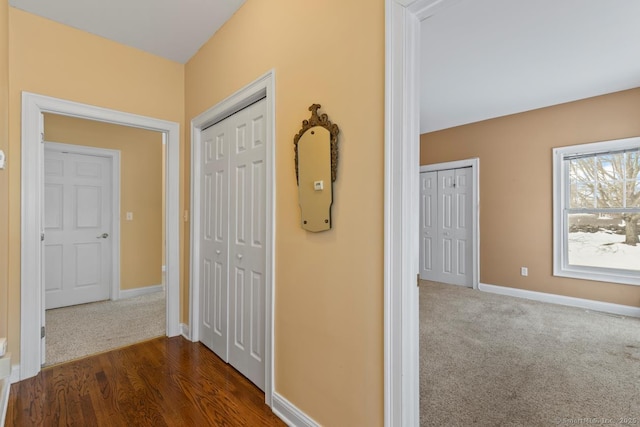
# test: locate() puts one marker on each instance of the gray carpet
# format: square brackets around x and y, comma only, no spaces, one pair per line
[493,360]
[80,330]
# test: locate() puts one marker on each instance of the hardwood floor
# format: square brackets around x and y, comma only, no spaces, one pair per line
[162,382]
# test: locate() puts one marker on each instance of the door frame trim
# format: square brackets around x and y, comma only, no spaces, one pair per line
[114,155]
[262,87]
[32,154]
[474,164]
[401,210]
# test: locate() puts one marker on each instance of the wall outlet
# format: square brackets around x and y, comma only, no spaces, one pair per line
[129,216]
[524,271]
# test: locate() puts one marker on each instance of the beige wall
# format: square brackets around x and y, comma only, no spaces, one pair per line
[140,190]
[329,285]
[516,186]
[55,60]
[4,175]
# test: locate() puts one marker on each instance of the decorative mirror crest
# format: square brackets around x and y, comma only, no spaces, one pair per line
[319,120]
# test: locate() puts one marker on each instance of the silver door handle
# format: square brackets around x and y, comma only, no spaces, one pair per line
[103,236]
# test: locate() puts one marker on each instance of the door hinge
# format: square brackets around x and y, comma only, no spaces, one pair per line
[41,137]
[42,332]
[42,237]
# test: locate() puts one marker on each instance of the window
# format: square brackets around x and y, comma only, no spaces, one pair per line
[596,206]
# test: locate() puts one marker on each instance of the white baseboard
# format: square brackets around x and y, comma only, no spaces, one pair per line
[185,331]
[130,293]
[4,399]
[15,374]
[7,374]
[607,307]
[289,413]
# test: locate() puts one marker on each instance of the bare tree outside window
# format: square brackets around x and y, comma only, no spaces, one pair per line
[608,186]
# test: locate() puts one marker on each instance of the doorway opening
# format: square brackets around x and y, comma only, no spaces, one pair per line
[450,222]
[32,298]
[88,224]
[262,88]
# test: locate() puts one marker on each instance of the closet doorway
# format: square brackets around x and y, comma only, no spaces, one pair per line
[232,240]
[260,90]
[449,223]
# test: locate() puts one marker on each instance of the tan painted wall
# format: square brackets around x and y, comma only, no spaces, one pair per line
[4,174]
[329,285]
[52,59]
[516,187]
[140,190]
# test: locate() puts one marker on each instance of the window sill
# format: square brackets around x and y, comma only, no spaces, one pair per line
[599,276]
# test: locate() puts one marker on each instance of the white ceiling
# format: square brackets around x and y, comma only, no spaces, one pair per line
[489,58]
[480,58]
[173,29]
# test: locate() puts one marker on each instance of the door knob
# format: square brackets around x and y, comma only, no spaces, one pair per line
[103,236]
[218,252]
[239,256]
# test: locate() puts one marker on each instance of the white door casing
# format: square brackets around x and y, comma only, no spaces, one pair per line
[77,228]
[232,243]
[32,193]
[401,222]
[258,89]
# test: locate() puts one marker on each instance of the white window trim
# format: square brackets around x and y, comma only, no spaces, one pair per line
[560,265]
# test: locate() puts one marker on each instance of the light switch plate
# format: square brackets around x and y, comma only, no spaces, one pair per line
[3,346]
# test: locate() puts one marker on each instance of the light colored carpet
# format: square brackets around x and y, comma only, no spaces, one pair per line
[493,360]
[80,330]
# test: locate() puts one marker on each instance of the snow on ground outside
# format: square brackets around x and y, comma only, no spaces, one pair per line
[602,249]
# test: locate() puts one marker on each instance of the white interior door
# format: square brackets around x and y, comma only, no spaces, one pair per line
[213,240]
[449,255]
[428,224]
[77,228]
[232,244]
[247,249]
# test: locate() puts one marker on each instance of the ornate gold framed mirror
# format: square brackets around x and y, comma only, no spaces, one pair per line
[316,157]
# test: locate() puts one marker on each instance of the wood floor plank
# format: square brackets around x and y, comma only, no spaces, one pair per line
[161,382]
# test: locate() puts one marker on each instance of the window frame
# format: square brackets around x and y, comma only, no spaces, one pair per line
[561,267]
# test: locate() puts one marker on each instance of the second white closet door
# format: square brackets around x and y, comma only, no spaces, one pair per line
[446,229]
[232,241]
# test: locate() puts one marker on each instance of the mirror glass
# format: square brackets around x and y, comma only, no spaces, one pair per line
[314,179]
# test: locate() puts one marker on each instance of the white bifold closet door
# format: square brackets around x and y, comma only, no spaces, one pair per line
[446,231]
[232,249]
